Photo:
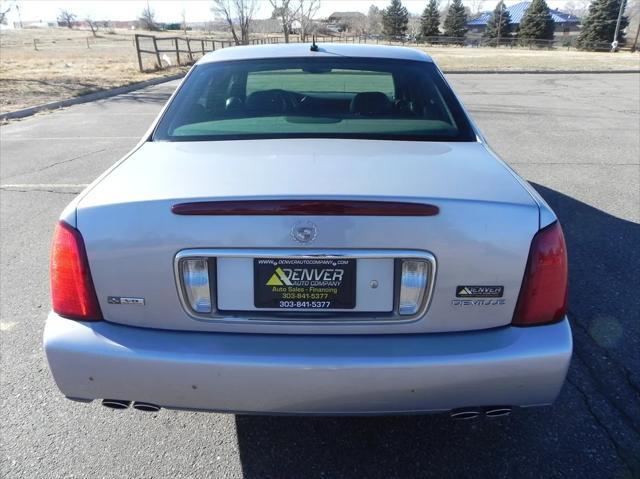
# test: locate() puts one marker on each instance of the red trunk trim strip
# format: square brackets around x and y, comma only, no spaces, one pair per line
[304,208]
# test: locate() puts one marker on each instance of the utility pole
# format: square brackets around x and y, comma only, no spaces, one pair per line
[614,44]
[635,41]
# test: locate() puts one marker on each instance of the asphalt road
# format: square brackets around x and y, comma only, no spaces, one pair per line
[575,137]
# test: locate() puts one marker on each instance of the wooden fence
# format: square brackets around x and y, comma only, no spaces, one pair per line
[171,51]
[185,50]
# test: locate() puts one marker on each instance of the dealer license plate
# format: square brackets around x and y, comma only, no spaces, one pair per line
[304,283]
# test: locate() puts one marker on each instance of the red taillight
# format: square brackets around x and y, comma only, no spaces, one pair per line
[72,291]
[543,297]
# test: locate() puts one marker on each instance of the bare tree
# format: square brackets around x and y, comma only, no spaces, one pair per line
[5,8]
[184,21]
[93,25]
[245,9]
[236,12]
[475,6]
[374,20]
[578,8]
[413,27]
[147,19]
[356,24]
[66,18]
[306,11]
[283,11]
[224,9]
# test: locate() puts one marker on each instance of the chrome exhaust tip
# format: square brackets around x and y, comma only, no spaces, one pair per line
[464,414]
[145,406]
[116,403]
[497,411]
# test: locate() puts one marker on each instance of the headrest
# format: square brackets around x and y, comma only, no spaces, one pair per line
[267,101]
[370,103]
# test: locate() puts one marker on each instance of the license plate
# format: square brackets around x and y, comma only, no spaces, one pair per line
[304,283]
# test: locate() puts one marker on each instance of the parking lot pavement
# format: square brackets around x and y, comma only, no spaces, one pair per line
[575,137]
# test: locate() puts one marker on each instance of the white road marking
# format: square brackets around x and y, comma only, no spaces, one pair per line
[114,113]
[40,138]
[48,186]
[7,326]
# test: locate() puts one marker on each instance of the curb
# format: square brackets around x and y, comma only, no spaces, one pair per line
[99,95]
[534,72]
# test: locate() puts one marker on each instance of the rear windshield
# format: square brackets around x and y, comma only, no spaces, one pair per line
[315,98]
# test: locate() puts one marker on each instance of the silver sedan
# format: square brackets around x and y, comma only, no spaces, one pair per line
[311,231]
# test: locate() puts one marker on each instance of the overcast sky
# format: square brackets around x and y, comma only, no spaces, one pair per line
[197,10]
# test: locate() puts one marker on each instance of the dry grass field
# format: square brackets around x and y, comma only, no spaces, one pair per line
[63,63]
[505,59]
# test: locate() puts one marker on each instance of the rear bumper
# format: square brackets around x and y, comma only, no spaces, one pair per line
[309,374]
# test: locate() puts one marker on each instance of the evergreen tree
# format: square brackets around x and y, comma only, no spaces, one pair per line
[600,24]
[395,20]
[430,20]
[455,24]
[499,25]
[537,22]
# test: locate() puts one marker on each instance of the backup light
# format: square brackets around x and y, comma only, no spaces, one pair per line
[195,278]
[413,286]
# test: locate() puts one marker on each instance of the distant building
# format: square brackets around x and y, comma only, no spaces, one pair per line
[566,24]
[128,24]
[340,17]
[35,24]
[345,21]
[266,25]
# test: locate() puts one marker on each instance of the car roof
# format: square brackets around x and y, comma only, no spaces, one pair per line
[288,50]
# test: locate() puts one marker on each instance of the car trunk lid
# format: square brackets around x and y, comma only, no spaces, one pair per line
[480,235]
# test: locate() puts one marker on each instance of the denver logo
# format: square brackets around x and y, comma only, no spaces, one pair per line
[298,277]
[479,291]
[279,278]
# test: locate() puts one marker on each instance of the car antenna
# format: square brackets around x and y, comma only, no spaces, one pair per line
[314,47]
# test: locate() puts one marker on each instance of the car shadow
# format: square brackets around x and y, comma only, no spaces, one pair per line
[604,254]
[543,442]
